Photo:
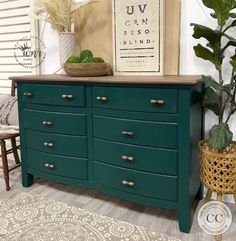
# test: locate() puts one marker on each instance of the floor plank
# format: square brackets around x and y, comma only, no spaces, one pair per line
[154,219]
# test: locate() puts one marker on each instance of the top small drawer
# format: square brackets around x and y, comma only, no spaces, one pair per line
[53,94]
[136,99]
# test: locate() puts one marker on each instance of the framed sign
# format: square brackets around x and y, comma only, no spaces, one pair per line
[138,30]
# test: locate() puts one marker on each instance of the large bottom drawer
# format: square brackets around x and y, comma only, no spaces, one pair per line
[137,182]
[57,165]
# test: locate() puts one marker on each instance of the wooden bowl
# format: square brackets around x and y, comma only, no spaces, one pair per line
[82,70]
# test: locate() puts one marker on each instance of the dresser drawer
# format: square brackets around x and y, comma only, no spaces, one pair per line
[141,183]
[136,99]
[58,144]
[136,157]
[57,165]
[157,134]
[65,123]
[61,95]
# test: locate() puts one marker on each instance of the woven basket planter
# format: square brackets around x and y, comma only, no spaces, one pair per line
[218,170]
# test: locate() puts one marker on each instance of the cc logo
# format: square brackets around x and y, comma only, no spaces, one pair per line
[214,218]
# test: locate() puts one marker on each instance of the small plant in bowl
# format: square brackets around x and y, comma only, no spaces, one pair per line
[85,57]
[86,64]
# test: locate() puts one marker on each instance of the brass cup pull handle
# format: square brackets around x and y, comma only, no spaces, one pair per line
[47,123]
[28,94]
[102,98]
[67,97]
[157,102]
[127,133]
[50,166]
[128,184]
[50,144]
[127,158]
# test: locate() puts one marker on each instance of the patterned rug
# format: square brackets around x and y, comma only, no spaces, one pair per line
[28,217]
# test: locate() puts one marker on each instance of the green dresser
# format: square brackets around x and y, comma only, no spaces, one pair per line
[131,137]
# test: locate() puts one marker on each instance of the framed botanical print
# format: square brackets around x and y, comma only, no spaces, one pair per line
[138,36]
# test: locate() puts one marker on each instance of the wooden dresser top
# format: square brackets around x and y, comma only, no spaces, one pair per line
[172,79]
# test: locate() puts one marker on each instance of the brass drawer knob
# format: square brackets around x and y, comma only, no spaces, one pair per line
[67,97]
[127,133]
[47,123]
[127,158]
[157,102]
[128,184]
[102,98]
[50,144]
[50,166]
[28,94]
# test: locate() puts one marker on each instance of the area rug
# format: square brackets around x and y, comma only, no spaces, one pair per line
[28,217]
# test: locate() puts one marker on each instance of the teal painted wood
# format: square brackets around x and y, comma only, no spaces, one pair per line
[136,100]
[61,165]
[90,133]
[55,108]
[143,200]
[66,145]
[53,94]
[27,177]
[184,205]
[157,134]
[175,128]
[73,124]
[145,184]
[61,179]
[148,116]
[189,181]
[158,160]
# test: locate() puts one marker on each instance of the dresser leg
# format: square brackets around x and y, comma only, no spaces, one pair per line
[27,180]
[199,195]
[185,220]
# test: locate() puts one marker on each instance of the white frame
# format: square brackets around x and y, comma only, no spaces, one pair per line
[161,45]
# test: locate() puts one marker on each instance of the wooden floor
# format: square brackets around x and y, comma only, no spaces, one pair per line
[154,219]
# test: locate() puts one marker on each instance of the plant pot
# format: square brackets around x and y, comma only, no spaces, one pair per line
[66,45]
[218,170]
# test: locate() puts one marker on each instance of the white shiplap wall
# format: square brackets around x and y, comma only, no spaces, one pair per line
[15,24]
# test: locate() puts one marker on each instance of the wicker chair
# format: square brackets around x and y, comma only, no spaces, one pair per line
[14,149]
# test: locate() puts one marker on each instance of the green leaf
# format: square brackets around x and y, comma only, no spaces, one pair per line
[213,15]
[210,100]
[220,136]
[232,42]
[206,54]
[234,110]
[233,24]
[232,15]
[222,9]
[213,36]
[233,61]
[211,82]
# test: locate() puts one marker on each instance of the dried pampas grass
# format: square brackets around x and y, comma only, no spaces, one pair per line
[60,13]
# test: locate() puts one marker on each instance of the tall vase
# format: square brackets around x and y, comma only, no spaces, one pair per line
[66,45]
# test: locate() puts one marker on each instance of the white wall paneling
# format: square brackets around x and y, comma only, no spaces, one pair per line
[16,27]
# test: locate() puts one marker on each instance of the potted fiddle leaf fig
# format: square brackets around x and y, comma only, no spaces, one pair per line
[218,153]
[219,94]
